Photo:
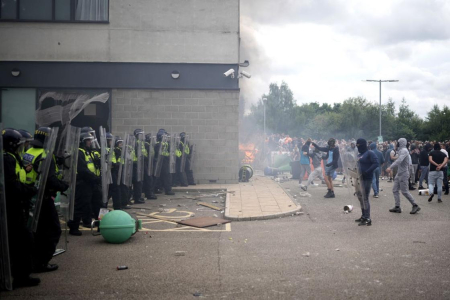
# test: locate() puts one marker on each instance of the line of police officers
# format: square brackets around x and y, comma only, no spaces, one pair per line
[22,157]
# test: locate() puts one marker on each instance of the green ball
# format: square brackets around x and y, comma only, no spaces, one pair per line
[117,227]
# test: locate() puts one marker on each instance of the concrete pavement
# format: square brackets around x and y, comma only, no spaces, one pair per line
[259,199]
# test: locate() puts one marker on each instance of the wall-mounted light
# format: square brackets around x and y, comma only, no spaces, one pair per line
[15,72]
[175,74]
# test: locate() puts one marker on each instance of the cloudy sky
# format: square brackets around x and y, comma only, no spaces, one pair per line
[324,49]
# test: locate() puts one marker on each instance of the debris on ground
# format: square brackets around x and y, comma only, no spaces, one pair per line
[210,206]
[306,254]
[337,249]
[299,213]
[304,194]
[197,294]
[122,268]
[180,253]
[162,205]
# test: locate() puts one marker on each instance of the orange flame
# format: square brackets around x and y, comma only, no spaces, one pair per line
[249,151]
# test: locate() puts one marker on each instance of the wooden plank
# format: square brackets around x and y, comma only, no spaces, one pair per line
[210,206]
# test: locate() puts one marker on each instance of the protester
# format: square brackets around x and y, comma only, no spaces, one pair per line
[332,158]
[376,172]
[438,160]
[424,164]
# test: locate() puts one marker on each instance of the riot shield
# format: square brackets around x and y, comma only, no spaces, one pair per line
[5,262]
[44,167]
[350,164]
[122,160]
[183,153]
[151,155]
[174,143]
[103,165]
[139,150]
[69,152]
[128,148]
[160,157]
[192,157]
[109,157]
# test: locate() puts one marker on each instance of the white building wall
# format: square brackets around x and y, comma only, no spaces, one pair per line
[168,31]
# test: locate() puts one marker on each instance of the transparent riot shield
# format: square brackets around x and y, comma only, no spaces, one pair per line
[192,156]
[128,148]
[174,144]
[122,160]
[68,151]
[151,155]
[5,262]
[139,150]
[44,167]
[109,157]
[104,165]
[354,181]
[183,153]
[160,157]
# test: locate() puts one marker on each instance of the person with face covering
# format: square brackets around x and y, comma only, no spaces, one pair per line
[331,159]
[368,162]
[401,180]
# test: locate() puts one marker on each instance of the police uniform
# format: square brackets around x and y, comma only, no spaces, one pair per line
[137,185]
[149,180]
[165,178]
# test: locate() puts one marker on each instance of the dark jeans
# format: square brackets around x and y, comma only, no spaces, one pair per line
[83,198]
[376,181]
[364,199]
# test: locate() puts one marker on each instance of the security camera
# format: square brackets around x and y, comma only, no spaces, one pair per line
[229,72]
[243,73]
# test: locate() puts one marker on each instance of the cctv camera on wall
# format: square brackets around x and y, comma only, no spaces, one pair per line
[245,74]
[230,72]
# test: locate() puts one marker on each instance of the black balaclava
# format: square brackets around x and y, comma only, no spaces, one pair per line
[331,143]
[362,145]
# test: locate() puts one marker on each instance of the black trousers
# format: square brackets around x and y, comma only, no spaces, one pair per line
[188,171]
[137,185]
[20,242]
[165,178]
[47,234]
[148,186]
[124,194]
[83,199]
[96,202]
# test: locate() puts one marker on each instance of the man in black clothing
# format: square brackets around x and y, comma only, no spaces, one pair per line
[17,196]
[438,160]
[424,164]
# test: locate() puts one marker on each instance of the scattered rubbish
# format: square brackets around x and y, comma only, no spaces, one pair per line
[337,249]
[277,179]
[180,253]
[306,254]
[295,196]
[348,208]
[221,211]
[142,209]
[179,205]
[424,193]
[122,268]
[187,192]
[304,194]
[290,205]
[215,215]
[299,213]
[156,217]
[197,294]
[209,205]
[418,242]
[192,215]
[214,201]
[230,239]
[162,205]
[245,241]
[202,222]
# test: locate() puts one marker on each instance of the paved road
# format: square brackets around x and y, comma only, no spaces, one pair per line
[322,254]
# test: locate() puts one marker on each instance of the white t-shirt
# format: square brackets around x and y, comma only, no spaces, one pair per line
[444,151]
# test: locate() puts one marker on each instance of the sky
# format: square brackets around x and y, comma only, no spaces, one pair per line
[324,49]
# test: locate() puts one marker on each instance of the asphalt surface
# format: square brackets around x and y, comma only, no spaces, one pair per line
[321,254]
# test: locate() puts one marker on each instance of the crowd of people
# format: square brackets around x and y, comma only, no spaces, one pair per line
[405,163]
[23,155]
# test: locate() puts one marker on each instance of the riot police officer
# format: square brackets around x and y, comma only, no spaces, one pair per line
[27,138]
[165,179]
[120,193]
[149,180]
[137,185]
[18,196]
[87,181]
[187,150]
[48,232]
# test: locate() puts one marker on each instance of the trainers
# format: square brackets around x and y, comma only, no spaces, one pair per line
[439,201]
[152,197]
[305,188]
[365,222]
[323,182]
[431,198]
[415,209]
[411,188]
[396,210]
[330,194]
[170,193]
[140,201]
[375,196]
[421,187]
[45,268]
[75,232]
[26,281]
[359,220]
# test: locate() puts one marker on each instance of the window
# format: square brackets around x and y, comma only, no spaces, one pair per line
[18,108]
[55,10]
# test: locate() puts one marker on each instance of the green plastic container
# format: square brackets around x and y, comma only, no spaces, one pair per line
[117,226]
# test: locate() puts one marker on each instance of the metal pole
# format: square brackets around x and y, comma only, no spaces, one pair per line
[264,142]
[380,107]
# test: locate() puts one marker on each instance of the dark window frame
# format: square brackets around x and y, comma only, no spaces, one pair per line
[53,20]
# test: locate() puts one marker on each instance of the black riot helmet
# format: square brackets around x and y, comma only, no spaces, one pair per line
[109,136]
[26,136]
[87,129]
[12,139]
[84,137]
[159,135]
[183,136]
[138,132]
[118,141]
[148,137]
[39,136]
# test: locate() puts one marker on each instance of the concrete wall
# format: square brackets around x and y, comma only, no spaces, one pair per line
[210,117]
[170,31]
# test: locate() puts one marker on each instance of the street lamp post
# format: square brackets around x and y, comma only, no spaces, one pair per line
[380,81]
[264,99]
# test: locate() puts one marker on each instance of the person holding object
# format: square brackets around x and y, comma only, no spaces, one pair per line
[368,162]
[331,158]
[401,179]
[438,161]
[317,173]
[305,166]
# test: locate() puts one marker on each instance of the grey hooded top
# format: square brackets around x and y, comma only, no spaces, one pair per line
[403,160]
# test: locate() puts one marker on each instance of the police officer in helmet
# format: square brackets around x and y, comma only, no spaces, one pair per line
[165,178]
